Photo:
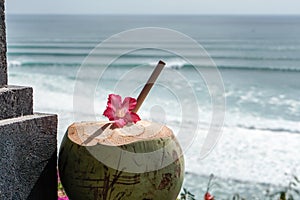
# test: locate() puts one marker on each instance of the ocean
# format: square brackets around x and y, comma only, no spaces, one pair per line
[257,58]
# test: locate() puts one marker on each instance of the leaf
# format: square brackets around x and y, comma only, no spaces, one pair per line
[296,179]
[282,196]
[290,197]
[294,184]
[296,191]
[190,194]
[236,197]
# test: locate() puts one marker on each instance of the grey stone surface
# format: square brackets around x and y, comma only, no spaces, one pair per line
[28,147]
[3,63]
[43,188]
[15,101]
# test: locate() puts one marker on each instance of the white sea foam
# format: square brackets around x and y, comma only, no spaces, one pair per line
[249,155]
[172,63]
[14,63]
[175,64]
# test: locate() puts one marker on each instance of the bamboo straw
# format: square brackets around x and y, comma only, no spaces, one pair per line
[149,85]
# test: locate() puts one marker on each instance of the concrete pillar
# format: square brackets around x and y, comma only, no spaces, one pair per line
[28,144]
[28,157]
[3,63]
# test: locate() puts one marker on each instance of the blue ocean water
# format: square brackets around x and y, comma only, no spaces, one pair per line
[258,58]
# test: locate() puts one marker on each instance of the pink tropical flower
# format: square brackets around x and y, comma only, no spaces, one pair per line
[121,112]
[208,196]
[63,198]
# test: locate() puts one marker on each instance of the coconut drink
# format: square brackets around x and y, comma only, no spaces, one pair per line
[125,158]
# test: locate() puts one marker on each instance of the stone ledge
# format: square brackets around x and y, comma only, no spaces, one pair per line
[15,101]
[3,64]
[28,148]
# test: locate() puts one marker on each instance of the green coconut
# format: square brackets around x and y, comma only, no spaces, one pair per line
[136,162]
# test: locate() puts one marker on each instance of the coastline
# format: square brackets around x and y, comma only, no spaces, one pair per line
[261,134]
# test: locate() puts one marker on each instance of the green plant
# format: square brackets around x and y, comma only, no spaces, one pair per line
[290,192]
[186,195]
[237,197]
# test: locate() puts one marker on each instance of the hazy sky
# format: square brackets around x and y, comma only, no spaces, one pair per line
[153,6]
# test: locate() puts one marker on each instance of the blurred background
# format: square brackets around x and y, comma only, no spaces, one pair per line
[255,45]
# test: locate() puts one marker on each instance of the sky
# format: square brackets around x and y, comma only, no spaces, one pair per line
[265,7]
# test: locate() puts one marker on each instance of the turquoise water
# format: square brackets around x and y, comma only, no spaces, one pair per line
[258,58]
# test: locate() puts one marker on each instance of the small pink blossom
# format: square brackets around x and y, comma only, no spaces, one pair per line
[63,198]
[208,196]
[121,112]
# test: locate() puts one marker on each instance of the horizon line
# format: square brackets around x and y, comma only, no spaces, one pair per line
[154,14]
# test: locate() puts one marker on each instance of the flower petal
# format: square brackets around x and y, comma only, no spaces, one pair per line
[131,117]
[208,196]
[120,123]
[135,117]
[114,101]
[109,113]
[129,103]
[120,112]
